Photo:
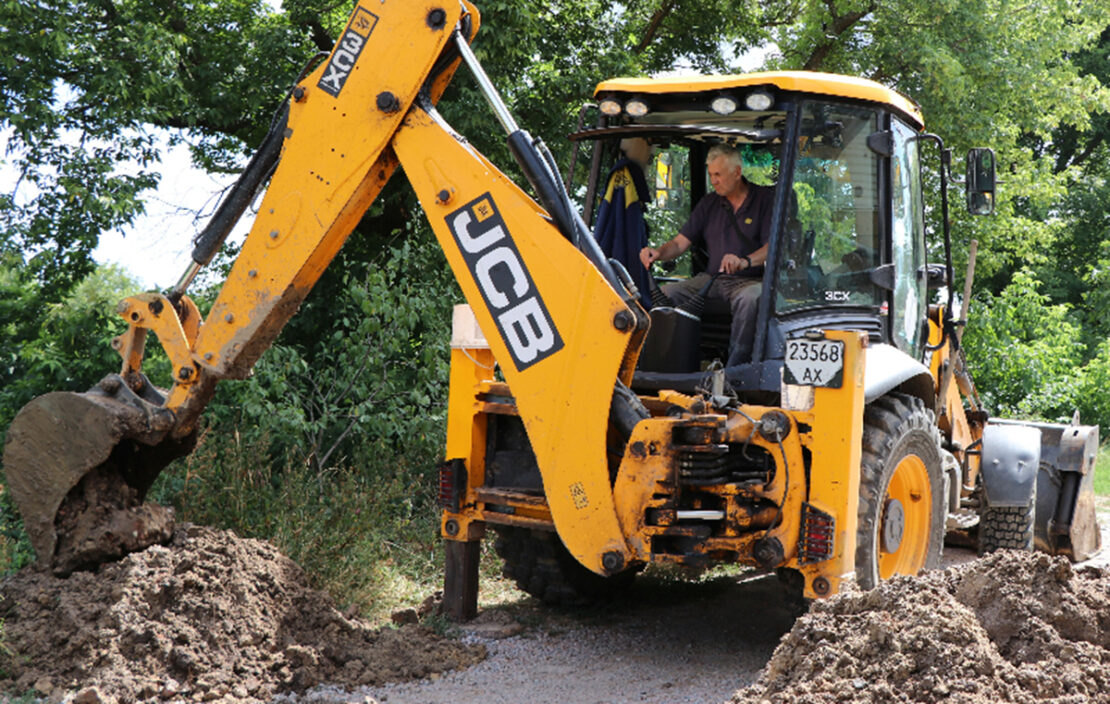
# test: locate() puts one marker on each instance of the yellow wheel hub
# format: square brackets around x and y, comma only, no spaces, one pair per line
[903,530]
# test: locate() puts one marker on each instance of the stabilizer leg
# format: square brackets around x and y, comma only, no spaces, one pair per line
[460,579]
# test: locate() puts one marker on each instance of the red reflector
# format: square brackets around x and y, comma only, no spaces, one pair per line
[816,538]
[452,484]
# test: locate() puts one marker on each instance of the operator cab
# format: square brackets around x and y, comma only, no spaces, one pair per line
[847,245]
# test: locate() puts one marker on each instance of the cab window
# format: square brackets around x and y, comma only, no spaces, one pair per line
[832,236]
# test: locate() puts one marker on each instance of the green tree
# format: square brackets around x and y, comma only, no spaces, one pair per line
[986,74]
[373,384]
[59,346]
[83,87]
[1026,351]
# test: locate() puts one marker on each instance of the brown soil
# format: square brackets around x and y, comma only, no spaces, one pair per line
[1013,627]
[103,519]
[210,616]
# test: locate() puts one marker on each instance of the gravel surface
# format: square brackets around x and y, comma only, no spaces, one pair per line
[672,647]
[683,643]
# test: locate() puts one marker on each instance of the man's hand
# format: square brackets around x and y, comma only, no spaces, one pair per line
[668,251]
[730,264]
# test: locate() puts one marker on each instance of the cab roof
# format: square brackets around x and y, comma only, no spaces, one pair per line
[829,84]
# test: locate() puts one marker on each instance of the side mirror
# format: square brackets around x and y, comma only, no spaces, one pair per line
[980,181]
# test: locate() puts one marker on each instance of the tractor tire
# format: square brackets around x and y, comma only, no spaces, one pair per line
[541,565]
[1006,527]
[902,507]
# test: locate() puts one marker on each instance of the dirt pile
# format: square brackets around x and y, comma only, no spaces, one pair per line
[1013,627]
[208,617]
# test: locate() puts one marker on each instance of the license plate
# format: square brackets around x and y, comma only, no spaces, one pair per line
[814,363]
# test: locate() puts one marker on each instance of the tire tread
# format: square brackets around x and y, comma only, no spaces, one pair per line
[539,563]
[1006,527]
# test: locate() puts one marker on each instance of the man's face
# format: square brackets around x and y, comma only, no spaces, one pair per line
[724,176]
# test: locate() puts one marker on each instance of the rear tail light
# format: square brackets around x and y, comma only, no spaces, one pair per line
[452,484]
[817,538]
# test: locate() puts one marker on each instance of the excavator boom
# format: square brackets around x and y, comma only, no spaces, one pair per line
[79,465]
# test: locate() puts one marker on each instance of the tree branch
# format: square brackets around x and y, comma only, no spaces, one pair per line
[1089,150]
[833,31]
[653,26]
[322,460]
[320,36]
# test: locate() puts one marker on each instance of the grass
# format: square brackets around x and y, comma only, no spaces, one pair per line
[1102,471]
[367,535]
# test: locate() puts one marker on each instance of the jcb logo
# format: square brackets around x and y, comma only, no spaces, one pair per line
[506,286]
[347,52]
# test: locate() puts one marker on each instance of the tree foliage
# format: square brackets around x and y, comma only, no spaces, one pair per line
[85,85]
[372,385]
[59,346]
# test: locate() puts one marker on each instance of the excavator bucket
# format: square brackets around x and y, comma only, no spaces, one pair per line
[79,465]
[1065,522]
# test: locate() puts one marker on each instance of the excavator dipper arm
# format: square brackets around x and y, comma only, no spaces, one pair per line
[560,331]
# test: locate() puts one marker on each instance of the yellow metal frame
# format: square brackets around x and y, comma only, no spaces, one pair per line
[334,162]
[177,333]
[835,443]
[567,394]
[335,159]
[831,431]
[342,144]
[961,432]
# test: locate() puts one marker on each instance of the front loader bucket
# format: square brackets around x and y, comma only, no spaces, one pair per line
[1065,522]
[78,467]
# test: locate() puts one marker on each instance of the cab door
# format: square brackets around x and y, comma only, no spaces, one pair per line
[907,314]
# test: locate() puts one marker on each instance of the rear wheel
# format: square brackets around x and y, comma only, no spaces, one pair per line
[902,498]
[540,565]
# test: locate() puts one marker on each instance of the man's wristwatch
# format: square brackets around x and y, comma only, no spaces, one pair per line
[748,260]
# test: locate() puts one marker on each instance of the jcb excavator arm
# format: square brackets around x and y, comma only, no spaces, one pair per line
[561,325]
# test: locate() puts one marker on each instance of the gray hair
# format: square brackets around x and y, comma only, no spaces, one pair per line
[727,151]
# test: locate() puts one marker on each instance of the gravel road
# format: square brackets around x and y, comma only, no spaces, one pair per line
[678,642]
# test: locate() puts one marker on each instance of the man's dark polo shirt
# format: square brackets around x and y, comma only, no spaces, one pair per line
[708,224]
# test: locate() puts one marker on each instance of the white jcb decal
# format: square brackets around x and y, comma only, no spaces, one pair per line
[506,286]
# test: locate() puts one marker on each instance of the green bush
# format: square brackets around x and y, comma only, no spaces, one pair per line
[1024,352]
[371,373]
[1092,398]
[1029,360]
[64,346]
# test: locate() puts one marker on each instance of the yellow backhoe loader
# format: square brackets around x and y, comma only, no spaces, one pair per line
[844,450]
